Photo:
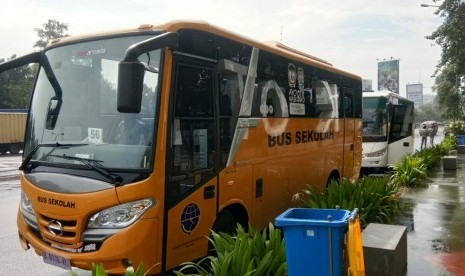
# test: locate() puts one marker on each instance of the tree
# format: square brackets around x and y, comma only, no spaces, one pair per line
[451,34]
[427,112]
[15,87]
[448,98]
[15,84]
[51,30]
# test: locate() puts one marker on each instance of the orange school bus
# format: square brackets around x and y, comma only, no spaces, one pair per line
[139,142]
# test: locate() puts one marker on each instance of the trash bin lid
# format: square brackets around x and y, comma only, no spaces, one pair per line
[313,216]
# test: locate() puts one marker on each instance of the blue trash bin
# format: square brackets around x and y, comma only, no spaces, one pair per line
[314,240]
[460,139]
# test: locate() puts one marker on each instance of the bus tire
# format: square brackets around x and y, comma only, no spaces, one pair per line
[334,176]
[225,222]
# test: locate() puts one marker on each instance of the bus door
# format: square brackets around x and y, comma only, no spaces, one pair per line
[191,178]
[349,134]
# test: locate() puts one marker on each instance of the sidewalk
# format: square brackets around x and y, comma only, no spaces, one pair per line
[436,224]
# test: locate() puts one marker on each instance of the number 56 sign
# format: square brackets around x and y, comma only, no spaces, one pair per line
[95,135]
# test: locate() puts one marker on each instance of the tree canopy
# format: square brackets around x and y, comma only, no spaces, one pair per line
[450,35]
[427,112]
[15,87]
[448,96]
[16,84]
[51,30]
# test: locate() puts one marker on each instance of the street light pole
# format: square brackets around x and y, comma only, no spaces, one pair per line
[428,5]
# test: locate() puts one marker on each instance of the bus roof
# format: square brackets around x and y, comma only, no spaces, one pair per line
[176,25]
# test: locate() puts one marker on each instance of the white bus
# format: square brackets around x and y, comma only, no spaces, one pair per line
[388,130]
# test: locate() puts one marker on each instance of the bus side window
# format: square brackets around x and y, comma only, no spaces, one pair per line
[348,105]
[400,125]
[193,129]
[232,81]
[327,102]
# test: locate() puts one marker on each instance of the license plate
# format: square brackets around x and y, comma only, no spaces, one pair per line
[56,260]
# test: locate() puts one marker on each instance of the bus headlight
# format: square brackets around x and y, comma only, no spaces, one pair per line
[26,205]
[121,215]
[378,153]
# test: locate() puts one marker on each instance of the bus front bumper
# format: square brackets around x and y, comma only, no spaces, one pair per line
[131,245]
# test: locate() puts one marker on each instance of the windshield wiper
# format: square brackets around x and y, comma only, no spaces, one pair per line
[95,165]
[47,145]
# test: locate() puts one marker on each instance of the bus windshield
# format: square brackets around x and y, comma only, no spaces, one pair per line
[374,120]
[76,89]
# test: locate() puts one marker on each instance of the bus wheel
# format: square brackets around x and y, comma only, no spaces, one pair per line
[334,177]
[225,222]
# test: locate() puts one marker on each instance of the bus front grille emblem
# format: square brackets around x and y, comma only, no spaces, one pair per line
[55,227]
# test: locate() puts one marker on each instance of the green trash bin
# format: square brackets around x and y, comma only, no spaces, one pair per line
[314,240]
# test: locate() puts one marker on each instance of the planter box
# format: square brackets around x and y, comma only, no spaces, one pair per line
[385,249]
[449,162]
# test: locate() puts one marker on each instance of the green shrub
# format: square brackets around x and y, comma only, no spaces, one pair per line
[431,157]
[449,143]
[253,253]
[409,171]
[413,169]
[376,198]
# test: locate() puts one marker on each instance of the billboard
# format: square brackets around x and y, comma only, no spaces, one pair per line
[367,85]
[388,75]
[415,93]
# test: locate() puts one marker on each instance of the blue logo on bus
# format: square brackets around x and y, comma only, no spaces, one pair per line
[190,217]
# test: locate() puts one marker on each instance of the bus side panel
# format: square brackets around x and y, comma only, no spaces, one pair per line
[358,148]
[286,156]
[398,149]
[150,237]
[349,148]
[235,186]
[269,192]
[277,182]
[353,149]
[189,224]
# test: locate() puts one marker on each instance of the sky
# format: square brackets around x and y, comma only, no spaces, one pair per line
[353,35]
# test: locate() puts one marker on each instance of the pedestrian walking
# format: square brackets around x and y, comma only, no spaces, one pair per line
[423,134]
[432,131]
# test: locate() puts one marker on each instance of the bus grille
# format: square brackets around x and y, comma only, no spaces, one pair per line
[58,230]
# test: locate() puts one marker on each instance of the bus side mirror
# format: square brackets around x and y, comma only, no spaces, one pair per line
[53,111]
[131,71]
[130,86]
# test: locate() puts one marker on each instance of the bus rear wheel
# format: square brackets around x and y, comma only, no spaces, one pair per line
[333,178]
[226,223]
